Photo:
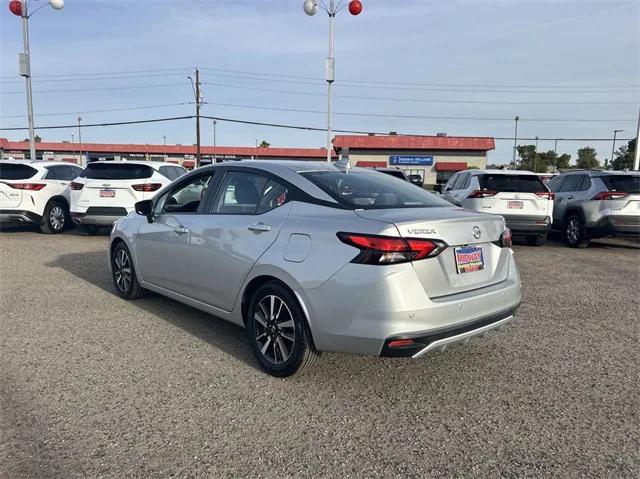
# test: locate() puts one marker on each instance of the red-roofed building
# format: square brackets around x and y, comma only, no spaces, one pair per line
[435,158]
[180,154]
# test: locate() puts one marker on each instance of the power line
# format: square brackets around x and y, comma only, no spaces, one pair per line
[74,75]
[146,107]
[414,100]
[126,77]
[279,125]
[420,117]
[134,87]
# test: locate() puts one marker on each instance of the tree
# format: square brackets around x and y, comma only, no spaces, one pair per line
[264,144]
[563,162]
[587,158]
[624,156]
[526,157]
[37,139]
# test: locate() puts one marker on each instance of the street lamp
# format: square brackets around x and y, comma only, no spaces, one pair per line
[311,8]
[80,140]
[215,160]
[613,148]
[515,140]
[20,9]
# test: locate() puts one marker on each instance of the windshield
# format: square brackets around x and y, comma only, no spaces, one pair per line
[16,171]
[372,190]
[623,183]
[116,171]
[512,183]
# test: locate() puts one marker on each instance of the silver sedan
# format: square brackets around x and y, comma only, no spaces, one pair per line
[312,257]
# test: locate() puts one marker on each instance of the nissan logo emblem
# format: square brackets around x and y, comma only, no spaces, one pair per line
[476,232]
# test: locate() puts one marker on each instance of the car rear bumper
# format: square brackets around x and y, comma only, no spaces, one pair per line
[361,313]
[100,216]
[520,225]
[616,225]
[19,216]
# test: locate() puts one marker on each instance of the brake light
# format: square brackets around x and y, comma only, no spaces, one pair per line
[378,250]
[75,186]
[27,186]
[610,195]
[147,187]
[546,194]
[506,238]
[482,194]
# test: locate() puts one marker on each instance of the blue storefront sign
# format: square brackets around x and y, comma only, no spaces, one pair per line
[411,160]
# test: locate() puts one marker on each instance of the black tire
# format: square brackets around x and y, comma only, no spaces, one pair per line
[272,336]
[537,240]
[123,273]
[574,232]
[92,230]
[54,218]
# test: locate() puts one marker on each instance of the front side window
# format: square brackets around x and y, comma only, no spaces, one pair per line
[555,183]
[185,197]
[369,190]
[511,183]
[240,193]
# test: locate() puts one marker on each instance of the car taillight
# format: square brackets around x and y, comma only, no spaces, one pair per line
[27,186]
[75,186]
[147,187]
[482,194]
[546,194]
[609,195]
[379,250]
[506,238]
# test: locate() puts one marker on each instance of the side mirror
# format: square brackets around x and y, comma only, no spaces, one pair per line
[145,208]
[437,188]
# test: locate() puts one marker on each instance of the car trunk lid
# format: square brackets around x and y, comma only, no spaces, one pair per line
[10,197]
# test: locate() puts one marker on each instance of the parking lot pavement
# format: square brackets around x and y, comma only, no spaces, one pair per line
[94,386]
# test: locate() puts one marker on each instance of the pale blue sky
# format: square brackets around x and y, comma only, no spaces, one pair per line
[534,48]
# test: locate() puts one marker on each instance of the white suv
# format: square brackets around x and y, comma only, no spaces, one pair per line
[520,197]
[108,190]
[36,192]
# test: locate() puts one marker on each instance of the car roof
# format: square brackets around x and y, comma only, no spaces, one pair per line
[501,172]
[600,172]
[153,164]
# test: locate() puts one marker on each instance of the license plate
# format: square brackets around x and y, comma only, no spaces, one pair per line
[515,205]
[107,193]
[469,259]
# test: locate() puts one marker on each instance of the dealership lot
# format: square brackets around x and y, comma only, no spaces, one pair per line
[91,385]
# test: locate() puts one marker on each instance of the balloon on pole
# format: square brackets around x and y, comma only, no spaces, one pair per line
[56,4]
[310,7]
[355,7]
[15,6]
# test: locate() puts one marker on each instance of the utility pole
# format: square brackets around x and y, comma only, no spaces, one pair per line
[555,147]
[197,118]
[80,140]
[613,147]
[164,140]
[215,160]
[25,71]
[535,158]
[515,141]
[636,158]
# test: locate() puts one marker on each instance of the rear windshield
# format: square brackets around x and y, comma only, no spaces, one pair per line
[116,171]
[512,183]
[372,190]
[623,183]
[16,171]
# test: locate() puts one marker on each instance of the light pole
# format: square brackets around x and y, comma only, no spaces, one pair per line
[636,155]
[164,140]
[80,140]
[515,141]
[215,160]
[198,95]
[535,158]
[20,9]
[613,148]
[311,8]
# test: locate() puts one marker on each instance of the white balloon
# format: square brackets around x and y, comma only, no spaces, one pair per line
[56,4]
[310,7]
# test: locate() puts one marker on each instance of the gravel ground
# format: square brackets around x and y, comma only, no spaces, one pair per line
[93,386]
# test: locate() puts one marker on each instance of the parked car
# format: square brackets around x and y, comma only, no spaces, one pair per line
[593,204]
[107,190]
[519,196]
[309,257]
[34,192]
[395,172]
[416,179]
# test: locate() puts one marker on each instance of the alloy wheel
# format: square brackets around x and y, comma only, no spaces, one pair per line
[56,218]
[573,231]
[275,332]
[122,270]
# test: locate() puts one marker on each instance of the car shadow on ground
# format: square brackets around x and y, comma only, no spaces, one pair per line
[223,335]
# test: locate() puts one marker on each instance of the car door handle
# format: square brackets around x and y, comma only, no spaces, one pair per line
[259,227]
[181,230]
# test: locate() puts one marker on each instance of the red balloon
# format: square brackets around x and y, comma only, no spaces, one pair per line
[355,7]
[16,7]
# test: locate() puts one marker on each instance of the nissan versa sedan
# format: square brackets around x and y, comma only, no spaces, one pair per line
[312,257]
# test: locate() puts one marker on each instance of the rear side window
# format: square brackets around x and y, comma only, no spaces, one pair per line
[512,183]
[16,171]
[369,190]
[116,171]
[571,183]
[622,183]
[171,172]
